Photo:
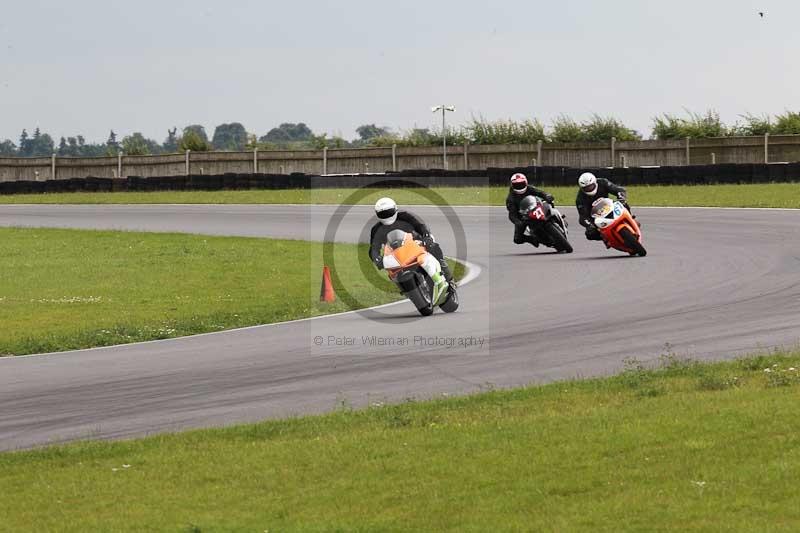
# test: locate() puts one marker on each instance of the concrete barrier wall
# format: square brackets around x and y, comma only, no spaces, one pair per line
[739,150]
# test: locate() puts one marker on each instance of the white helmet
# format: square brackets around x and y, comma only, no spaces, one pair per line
[588,183]
[386,209]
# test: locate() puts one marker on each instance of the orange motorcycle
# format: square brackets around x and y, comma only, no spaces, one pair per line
[617,227]
[418,274]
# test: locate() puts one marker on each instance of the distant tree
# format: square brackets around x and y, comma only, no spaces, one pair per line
[323,141]
[754,125]
[8,149]
[370,131]
[287,133]
[40,145]
[604,128]
[138,144]
[566,130]
[231,136]
[78,144]
[192,140]
[697,126]
[75,145]
[787,123]
[170,144]
[199,130]
[481,131]
[112,145]
[24,144]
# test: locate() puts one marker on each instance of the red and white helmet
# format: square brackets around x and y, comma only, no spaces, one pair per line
[519,183]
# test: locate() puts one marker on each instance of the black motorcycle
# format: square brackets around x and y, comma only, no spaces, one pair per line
[546,223]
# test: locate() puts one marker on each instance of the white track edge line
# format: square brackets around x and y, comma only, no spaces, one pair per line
[473,271]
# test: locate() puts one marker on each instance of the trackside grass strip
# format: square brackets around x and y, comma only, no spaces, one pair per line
[785,195]
[71,289]
[686,447]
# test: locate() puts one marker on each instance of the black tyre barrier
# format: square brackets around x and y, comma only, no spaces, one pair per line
[540,176]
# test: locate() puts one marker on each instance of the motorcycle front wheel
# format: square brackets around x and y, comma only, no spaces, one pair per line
[422,296]
[560,241]
[632,242]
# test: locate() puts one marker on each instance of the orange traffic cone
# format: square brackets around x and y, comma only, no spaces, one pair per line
[326,293]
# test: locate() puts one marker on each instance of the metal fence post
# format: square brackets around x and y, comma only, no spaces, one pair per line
[766,148]
[119,164]
[324,160]
[187,161]
[539,151]
[394,157]
[623,161]
[53,167]
[688,159]
[255,160]
[613,147]
[713,158]
[466,155]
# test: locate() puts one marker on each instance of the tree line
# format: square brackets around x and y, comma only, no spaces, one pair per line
[298,136]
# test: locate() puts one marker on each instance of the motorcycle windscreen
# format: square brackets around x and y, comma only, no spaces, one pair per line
[395,238]
[602,207]
[528,203]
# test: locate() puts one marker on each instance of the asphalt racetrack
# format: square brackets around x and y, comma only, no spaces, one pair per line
[716,283]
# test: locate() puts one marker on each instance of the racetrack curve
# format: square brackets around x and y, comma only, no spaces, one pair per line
[716,283]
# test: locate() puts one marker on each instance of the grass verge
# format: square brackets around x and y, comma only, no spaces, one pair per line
[72,289]
[762,195]
[688,446]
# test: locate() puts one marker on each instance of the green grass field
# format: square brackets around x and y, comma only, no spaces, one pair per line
[687,447]
[785,195]
[70,289]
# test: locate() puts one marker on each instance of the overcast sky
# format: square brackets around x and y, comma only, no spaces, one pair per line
[87,66]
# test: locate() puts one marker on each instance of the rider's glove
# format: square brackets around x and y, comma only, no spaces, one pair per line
[549,198]
[428,240]
[622,198]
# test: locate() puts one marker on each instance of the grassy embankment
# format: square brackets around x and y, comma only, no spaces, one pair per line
[762,195]
[687,447]
[69,289]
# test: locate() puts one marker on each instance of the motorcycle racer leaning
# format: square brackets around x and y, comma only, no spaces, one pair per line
[591,189]
[517,191]
[389,219]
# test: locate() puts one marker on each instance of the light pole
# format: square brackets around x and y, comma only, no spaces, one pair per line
[444,109]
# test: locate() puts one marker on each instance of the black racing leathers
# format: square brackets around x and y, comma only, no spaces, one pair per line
[512,205]
[584,204]
[409,223]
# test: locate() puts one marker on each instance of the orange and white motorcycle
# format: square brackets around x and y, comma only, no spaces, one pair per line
[617,227]
[417,274]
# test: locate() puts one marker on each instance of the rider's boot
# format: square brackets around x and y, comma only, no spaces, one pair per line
[446,272]
[533,240]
